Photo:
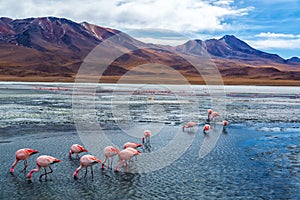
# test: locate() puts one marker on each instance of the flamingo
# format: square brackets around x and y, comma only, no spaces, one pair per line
[134,151]
[109,153]
[22,154]
[76,148]
[214,115]
[209,112]
[86,161]
[125,155]
[132,144]
[206,128]
[146,138]
[225,123]
[43,161]
[189,125]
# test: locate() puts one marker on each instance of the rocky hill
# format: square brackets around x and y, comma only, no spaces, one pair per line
[52,49]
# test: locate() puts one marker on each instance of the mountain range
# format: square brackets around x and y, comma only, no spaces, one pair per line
[53,49]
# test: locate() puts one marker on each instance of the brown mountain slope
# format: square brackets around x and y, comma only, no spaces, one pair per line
[53,49]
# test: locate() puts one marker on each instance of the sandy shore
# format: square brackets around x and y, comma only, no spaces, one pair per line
[192,80]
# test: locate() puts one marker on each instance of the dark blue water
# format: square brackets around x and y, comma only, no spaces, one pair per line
[258,157]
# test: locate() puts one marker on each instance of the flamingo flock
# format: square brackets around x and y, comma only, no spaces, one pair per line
[211,116]
[87,161]
[45,161]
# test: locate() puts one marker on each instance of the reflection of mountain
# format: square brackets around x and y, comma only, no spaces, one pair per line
[52,49]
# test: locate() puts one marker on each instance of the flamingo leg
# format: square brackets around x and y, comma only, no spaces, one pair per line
[12,169]
[43,174]
[25,166]
[51,170]
[111,160]
[92,172]
[108,163]
[149,142]
[85,172]
[117,166]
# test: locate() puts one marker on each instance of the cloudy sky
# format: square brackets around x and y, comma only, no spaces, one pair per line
[268,25]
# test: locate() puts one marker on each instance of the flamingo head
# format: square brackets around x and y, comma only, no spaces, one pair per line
[75,175]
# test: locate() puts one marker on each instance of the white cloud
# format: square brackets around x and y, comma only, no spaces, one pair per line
[278,43]
[164,41]
[277,35]
[269,41]
[223,2]
[176,15]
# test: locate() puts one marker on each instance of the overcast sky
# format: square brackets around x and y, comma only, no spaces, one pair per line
[268,25]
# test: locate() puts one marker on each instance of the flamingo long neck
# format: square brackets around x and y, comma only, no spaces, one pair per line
[70,153]
[12,169]
[29,175]
[116,150]
[77,171]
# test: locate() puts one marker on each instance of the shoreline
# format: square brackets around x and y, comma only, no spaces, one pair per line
[228,81]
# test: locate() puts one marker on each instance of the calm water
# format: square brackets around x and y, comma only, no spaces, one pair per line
[257,157]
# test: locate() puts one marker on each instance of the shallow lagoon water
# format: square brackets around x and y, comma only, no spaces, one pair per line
[257,158]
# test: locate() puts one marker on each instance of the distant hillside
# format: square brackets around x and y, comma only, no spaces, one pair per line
[52,49]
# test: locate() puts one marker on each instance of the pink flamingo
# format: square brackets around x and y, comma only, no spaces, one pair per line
[43,161]
[22,154]
[134,151]
[206,128]
[125,155]
[109,153]
[76,148]
[132,144]
[214,115]
[209,112]
[189,125]
[225,123]
[86,161]
[146,138]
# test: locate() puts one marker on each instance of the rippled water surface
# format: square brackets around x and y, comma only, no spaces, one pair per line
[256,157]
